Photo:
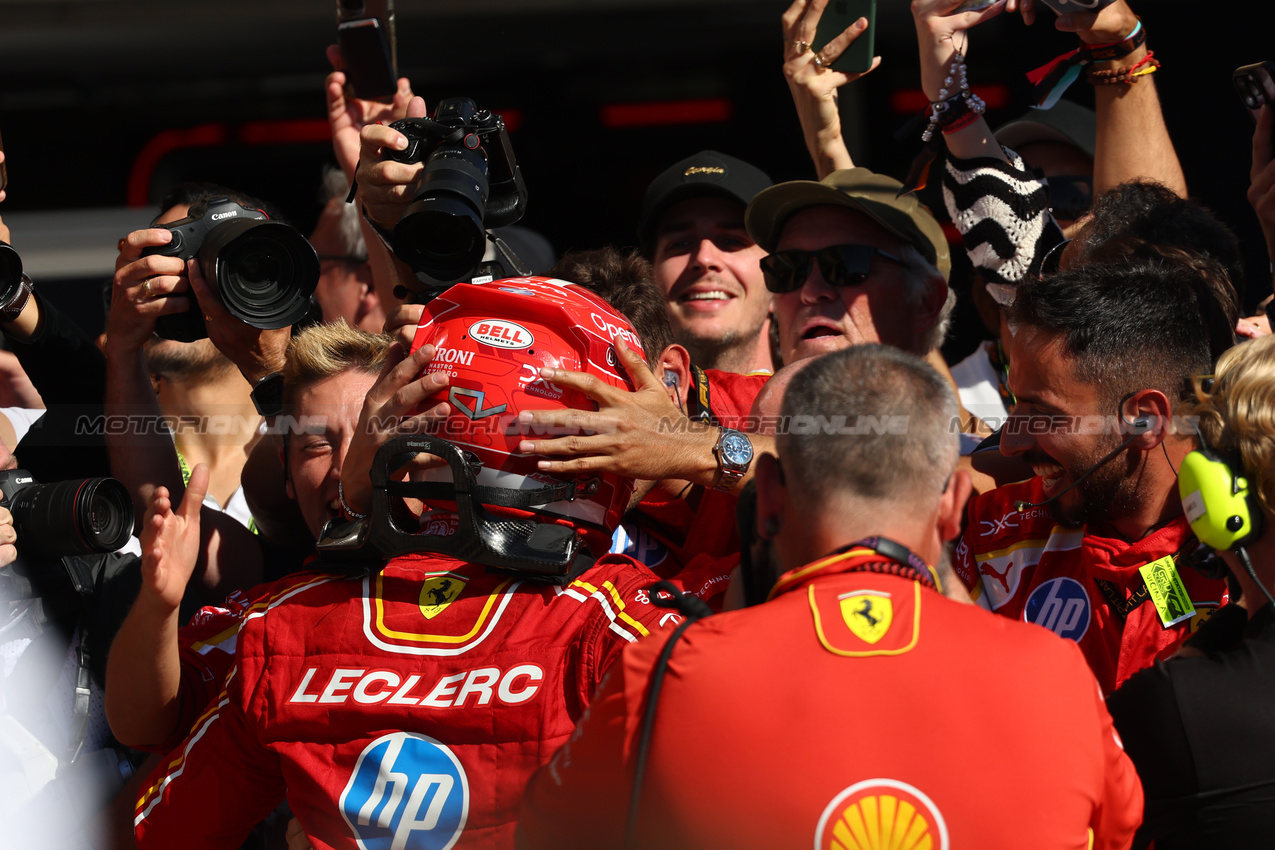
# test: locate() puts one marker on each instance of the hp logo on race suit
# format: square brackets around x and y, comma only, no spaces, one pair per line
[1060,605]
[407,792]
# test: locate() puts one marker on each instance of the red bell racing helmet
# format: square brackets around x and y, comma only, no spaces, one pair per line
[493,339]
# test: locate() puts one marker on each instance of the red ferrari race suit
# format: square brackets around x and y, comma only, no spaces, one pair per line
[1077,584]
[405,708]
[844,713]
[693,541]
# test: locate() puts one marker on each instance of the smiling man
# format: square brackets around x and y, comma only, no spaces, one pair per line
[1102,357]
[692,229]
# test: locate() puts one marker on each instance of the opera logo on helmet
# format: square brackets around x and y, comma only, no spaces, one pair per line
[1060,605]
[501,334]
[407,791]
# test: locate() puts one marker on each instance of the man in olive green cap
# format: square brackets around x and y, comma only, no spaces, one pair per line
[850,262]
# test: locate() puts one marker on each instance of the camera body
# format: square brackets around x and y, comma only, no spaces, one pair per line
[471,182]
[76,517]
[263,271]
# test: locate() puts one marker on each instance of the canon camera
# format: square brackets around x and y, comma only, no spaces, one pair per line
[470,183]
[76,517]
[263,271]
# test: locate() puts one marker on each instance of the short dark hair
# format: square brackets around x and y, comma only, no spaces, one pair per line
[871,422]
[1149,319]
[625,280]
[194,193]
[1150,211]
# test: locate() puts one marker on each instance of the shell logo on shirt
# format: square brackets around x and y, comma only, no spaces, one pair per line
[408,792]
[881,814]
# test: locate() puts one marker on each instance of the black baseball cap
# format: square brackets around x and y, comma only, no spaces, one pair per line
[705,174]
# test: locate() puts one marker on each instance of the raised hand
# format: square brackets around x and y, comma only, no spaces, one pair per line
[402,387]
[814,85]
[170,541]
[386,186]
[349,115]
[144,289]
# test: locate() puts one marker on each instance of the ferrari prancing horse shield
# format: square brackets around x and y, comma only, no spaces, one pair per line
[867,613]
[438,592]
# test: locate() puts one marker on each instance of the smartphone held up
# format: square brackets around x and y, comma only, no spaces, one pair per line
[840,14]
[365,34]
[1256,85]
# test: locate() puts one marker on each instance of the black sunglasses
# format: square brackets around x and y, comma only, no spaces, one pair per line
[842,265]
[1052,261]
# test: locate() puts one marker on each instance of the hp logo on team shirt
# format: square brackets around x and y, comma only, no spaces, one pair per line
[407,792]
[1060,605]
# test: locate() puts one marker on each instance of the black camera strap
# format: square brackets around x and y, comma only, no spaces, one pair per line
[665,595]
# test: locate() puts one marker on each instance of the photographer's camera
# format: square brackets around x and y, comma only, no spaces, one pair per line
[263,271]
[470,183]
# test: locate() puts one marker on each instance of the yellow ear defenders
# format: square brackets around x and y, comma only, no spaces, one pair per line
[1223,511]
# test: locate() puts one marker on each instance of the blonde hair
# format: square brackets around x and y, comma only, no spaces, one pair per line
[321,351]
[1236,415]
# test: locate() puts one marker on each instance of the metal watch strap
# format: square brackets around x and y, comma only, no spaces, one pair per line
[267,395]
[10,311]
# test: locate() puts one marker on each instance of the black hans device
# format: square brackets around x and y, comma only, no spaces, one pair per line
[365,34]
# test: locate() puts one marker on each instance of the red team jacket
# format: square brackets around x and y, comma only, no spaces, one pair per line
[844,714]
[1026,566]
[405,709]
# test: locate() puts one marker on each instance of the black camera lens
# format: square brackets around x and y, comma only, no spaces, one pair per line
[10,270]
[441,232]
[265,271]
[442,237]
[77,517]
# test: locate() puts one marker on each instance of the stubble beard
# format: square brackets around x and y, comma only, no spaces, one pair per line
[1109,493]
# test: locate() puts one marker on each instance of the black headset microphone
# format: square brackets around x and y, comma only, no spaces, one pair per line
[1141,425]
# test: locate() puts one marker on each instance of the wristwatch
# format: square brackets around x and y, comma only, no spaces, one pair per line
[15,299]
[267,395]
[734,455]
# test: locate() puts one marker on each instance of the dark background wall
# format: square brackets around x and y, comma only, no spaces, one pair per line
[86,85]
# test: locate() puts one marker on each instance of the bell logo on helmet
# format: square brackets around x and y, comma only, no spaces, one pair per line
[407,791]
[501,334]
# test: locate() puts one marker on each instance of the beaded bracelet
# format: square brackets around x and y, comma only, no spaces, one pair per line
[1130,75]
[345,506]
[1052,79]
[949,110]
